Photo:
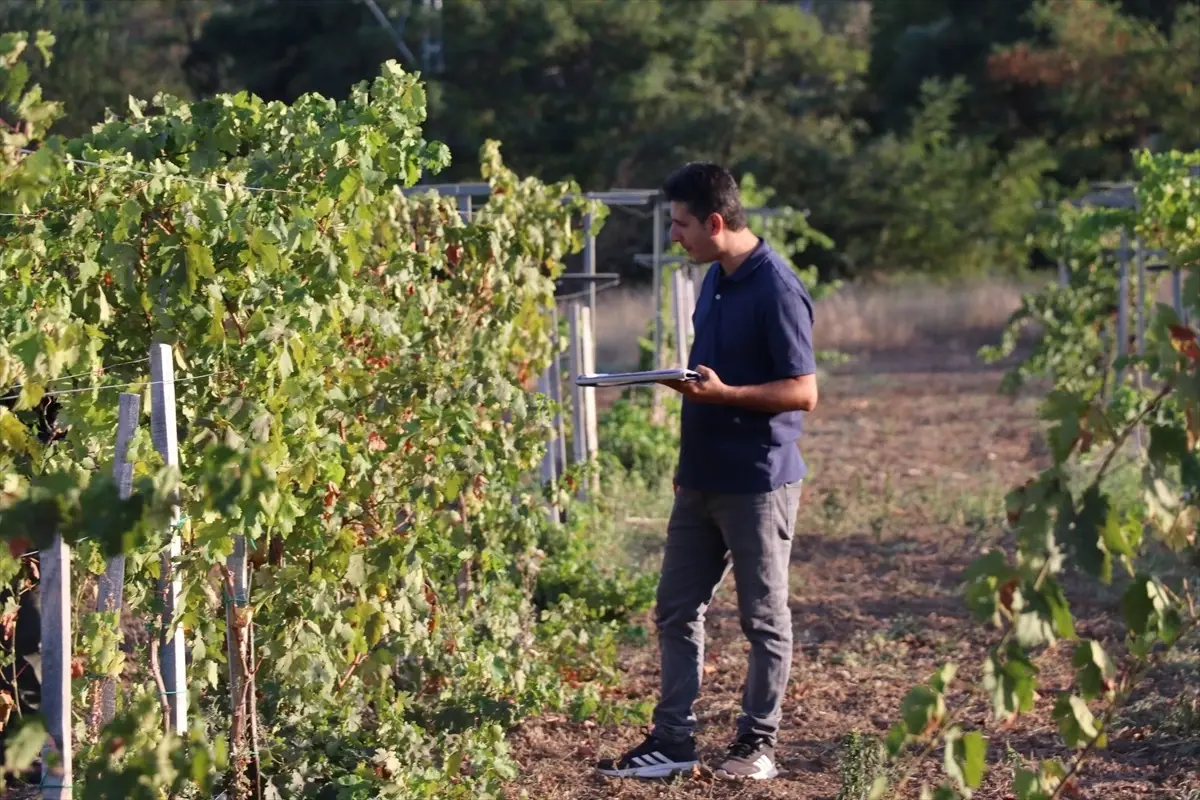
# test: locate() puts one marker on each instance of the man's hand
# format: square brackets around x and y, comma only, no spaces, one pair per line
[787,394]
[708,389]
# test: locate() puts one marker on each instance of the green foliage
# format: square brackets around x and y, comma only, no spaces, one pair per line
[641,445]
[1076,347]
[860,763]
[132,757]
[1091,529]
[349,361]
[610,93]
[572,569]
[1113,81]
[788,231]
[26,117]
[618,94]
[913,41]
[934,201]
[105,52]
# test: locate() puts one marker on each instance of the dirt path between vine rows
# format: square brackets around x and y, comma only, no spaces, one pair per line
[911,455]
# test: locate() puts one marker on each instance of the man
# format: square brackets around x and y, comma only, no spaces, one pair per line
[737,486]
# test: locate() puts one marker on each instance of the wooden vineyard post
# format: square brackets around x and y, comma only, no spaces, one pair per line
[657,407]
[236,619]
[239,641]
[111,586]
[1177,294]
[583,401]
[1139,256]
[575,369]
[556,392]
[54,590]
[679,311]
[549,461]
[588,331]
[589,262]
[164,434]
[546,385]
[1122,307]
[689,285]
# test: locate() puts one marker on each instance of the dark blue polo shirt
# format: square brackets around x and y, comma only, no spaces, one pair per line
[751,327]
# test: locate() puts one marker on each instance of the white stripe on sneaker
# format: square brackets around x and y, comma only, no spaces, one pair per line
[649,765]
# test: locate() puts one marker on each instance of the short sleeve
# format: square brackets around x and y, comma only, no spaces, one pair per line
[789,325]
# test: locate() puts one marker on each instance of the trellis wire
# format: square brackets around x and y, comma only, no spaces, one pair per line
[88,374]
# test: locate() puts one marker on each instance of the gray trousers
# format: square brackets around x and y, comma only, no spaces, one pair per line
[709,533]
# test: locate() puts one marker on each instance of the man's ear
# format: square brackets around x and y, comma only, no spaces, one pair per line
[714,224]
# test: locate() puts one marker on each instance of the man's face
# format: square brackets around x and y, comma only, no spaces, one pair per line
[698,238]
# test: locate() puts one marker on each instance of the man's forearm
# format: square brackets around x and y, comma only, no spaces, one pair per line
[789,394]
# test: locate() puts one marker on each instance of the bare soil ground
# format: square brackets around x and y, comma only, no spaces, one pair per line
[911,454]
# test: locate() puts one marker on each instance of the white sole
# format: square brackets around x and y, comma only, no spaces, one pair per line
[767,775]
[652,771]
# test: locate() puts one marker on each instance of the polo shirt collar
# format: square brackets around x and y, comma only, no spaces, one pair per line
[753,261]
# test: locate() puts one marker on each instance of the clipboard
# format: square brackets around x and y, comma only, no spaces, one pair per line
[637,378]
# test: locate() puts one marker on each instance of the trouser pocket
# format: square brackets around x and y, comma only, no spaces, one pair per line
[786,500]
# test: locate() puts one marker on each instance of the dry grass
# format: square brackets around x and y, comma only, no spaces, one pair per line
[881,317]
[622,317]
[857,319]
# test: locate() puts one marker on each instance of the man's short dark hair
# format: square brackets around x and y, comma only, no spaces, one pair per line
[707,189]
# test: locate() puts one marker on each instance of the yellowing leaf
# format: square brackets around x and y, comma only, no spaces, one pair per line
[199,260]
[14,435]
[102,304]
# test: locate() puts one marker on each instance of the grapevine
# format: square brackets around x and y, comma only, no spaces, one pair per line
[1071,519]
[350,358]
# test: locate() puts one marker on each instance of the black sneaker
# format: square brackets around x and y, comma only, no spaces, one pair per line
[653,758]
[751,757]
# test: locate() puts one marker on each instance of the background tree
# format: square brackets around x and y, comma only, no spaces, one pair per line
[107,51]
[1111,82]
[913,41]
[850,109]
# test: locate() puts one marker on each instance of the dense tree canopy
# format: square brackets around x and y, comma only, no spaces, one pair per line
[608,93]
[829,102]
